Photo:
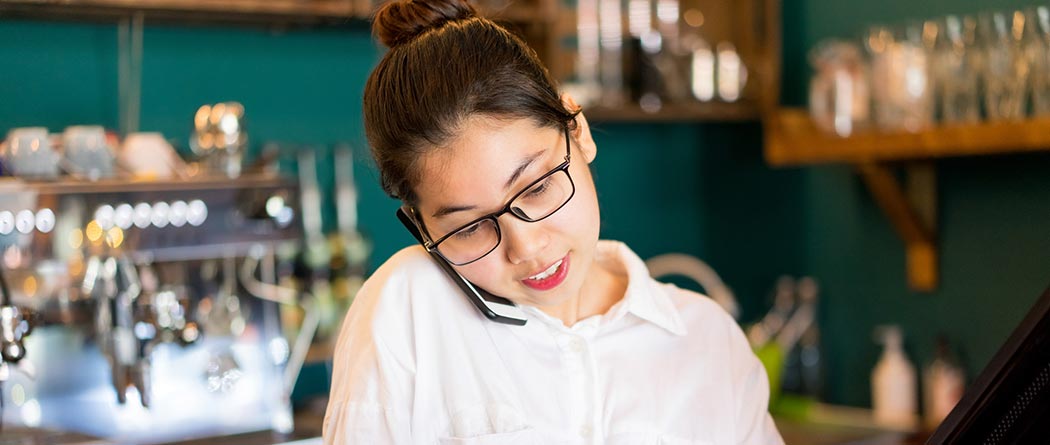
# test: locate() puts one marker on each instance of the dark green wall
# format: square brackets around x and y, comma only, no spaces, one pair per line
[994,241]
[697,188]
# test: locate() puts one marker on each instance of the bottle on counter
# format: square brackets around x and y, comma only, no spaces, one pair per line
[893,385]
[943,382]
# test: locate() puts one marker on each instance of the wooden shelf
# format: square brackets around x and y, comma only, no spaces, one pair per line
[202,183]
[291,12]
[694,112]
[337,13]
[793,139]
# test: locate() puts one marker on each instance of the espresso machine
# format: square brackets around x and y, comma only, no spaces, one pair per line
[147,311]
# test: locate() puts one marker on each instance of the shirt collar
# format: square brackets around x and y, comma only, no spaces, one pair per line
[645,298]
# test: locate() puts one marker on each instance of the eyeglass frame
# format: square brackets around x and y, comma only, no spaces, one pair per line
[431,245]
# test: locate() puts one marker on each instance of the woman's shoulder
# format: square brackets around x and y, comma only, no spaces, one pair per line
[406,283]
[699,312]
[406,273]
[407,261]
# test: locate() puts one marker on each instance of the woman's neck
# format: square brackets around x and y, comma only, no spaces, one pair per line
[602,288]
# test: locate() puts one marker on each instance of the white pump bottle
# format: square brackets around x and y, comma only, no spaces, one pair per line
[893,383]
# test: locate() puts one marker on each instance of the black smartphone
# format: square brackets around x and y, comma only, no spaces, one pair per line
[495,308]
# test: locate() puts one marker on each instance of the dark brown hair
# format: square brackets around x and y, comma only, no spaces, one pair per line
[446,64]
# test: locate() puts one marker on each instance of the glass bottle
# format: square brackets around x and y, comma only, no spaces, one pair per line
[956,63]
[1004,73]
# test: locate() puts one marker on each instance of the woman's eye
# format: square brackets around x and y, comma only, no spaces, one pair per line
[540,188]
[469,231]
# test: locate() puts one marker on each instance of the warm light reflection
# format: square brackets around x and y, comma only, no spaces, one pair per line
[29,286]
[929,33]
[694,18]
[115,237]
[76,265]
[703,73]
[731,72]
[201,119]
[190,334]
[1018,28]
[76,238]
[877,40]
[216,113]
[207,141]
[93,231]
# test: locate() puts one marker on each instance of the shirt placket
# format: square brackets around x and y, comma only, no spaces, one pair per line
[581,379]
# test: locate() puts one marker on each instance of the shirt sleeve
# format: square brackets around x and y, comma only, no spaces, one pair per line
[373,372]
[754,425]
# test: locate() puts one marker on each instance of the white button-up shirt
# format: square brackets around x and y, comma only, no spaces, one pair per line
[416,363]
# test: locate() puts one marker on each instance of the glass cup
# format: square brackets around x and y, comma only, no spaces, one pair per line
[87,152]
[1004,71]
[1037,48]
[29,154]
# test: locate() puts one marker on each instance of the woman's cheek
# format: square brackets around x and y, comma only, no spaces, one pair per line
[484,272]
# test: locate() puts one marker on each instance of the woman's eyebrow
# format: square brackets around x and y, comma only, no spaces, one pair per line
[447,210]
[525,163]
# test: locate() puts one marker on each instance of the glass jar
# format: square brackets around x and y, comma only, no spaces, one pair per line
[839,100]
[900,73]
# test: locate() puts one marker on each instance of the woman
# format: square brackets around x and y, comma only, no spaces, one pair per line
[491,165]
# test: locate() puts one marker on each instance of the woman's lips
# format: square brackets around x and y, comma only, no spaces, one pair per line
[551,281]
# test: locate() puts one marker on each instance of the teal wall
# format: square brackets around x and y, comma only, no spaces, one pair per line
[994,240]
[696,188]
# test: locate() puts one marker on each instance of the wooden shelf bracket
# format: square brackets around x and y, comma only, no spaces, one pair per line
[912,210]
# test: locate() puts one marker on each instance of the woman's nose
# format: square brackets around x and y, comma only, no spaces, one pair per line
[523,241]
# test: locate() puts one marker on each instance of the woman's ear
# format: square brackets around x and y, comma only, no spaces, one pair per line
[582,133]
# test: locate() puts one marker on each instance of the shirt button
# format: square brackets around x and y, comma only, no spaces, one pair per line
[585,431]
[576,345]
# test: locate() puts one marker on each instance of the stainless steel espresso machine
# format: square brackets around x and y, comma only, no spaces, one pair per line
[147,310]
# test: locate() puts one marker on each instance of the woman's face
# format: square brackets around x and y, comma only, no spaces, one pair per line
[543,263]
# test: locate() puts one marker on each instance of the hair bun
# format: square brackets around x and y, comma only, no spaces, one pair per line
[399,21]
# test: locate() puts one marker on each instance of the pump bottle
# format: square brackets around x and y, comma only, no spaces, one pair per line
[894,396]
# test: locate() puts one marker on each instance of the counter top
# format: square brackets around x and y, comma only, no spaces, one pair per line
[308,431]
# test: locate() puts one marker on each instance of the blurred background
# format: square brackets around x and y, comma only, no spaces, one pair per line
[727,131]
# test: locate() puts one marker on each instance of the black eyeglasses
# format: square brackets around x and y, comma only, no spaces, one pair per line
[537,201]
